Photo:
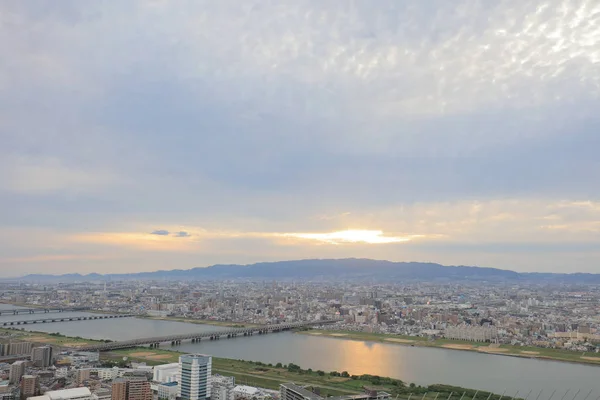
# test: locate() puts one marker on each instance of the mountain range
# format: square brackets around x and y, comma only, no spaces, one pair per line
[332,270]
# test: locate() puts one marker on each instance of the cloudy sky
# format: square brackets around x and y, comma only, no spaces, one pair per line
[144,135]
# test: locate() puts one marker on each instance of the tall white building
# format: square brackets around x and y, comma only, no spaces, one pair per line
[194,377]
[166,373]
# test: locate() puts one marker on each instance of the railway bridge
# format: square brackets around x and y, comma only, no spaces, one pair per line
[44,310]
[197,337]
[64,319]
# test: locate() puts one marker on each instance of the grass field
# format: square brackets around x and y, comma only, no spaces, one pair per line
[517,351]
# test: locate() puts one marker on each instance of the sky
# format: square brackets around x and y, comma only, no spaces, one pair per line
[146,135]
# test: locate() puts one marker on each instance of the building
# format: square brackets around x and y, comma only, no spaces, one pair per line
[17,370]
[290,391]
[30,386]
[42,356]
[243,392]
[222,387]
[19,348]
[167,391]
[102,394]
[194,377]
[166,373]
[83,375]
[8,396]
[81,393]
[119,390]
[7,392]
[472,333]
[131,389]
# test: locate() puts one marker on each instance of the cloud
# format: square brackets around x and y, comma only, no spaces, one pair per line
[160,232]
[54,257]
[140,241]
[353,236]
[38,176]
[464,124]
[182,234]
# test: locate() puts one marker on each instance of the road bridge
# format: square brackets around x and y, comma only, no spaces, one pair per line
[44,310]
[197,337]
[64,319]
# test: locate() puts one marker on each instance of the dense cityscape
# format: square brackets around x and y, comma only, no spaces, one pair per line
[552,317]
[491,315]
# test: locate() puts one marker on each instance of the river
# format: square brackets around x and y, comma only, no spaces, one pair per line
[411,364]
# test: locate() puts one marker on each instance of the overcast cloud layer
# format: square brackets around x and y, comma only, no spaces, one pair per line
[143,135]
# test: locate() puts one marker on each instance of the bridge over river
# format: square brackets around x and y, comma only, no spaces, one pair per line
[196,337]
[45,310]
[64,319]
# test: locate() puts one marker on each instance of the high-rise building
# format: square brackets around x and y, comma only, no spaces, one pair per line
[119,389]
[222,387]
[131,389]
[139,389]
[18,348]
[30,386]
[42,356]
[194,377]
[17,370]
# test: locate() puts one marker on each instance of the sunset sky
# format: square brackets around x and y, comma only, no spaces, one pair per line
[145,135]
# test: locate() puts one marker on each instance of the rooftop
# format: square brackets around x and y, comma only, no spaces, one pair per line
[245,389]
[300,390]
[68,393]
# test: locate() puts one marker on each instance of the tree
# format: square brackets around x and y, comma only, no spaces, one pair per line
[278,365]
[320,373]
[294,368]
[345,374]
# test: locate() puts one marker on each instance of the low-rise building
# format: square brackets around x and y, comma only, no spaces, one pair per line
[222,387]
[81,393]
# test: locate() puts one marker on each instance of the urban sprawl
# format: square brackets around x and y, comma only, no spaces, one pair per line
[560,317]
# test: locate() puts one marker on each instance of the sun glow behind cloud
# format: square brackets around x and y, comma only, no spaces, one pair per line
[353,236]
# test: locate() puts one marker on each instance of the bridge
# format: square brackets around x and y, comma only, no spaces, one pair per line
[46,310]
[197,337]
[64,319]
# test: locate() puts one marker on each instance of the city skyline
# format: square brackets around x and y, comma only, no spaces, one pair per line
[142,136]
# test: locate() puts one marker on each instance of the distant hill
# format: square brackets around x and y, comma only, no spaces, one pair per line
[365,270]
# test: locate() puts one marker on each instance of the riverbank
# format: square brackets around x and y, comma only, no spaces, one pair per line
[270,376]
[44,338]
[504,350]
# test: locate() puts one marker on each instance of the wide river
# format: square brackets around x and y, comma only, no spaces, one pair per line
[411,364]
